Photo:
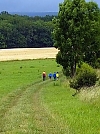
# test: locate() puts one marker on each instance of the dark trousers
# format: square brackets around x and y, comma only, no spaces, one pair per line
[43,78]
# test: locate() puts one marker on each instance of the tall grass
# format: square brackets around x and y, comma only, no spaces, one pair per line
[80,115]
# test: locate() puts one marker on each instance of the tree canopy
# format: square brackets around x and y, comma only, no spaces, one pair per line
[23,31]
[76,33]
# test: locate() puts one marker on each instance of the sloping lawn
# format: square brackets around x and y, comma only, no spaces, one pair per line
[29,105]
[82,116]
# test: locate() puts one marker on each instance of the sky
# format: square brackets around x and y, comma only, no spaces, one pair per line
[32,5]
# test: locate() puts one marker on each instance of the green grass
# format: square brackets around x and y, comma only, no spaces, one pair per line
[81,116]
[29,105]
[16,74]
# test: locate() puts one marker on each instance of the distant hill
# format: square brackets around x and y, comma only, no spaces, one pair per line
[32,14]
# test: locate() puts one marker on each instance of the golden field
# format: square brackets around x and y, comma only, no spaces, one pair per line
[27,53]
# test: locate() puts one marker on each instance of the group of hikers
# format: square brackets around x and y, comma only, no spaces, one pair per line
[54,75]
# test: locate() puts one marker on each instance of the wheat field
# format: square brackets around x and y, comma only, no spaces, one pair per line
[27,53]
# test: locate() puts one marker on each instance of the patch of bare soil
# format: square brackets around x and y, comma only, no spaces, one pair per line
[27,53]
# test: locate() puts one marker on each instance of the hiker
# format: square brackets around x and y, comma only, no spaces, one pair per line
[57,75]
[50,75]
[54,75]
[44,75]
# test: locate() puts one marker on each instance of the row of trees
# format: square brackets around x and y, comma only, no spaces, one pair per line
[24,31]
[77,34]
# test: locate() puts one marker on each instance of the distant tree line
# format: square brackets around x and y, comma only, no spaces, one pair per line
[25,32]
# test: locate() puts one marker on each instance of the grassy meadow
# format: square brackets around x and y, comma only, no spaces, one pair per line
[29,105]
[16,74]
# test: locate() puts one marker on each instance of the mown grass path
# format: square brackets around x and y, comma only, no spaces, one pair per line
[23,112]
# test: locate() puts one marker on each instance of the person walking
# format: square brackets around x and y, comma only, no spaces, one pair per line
[50,75]
[44,76]
[54,75]
[57,75]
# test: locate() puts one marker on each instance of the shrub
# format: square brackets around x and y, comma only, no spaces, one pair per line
[85,76]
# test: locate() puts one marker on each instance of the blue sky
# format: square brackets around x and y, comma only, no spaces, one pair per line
[32,5]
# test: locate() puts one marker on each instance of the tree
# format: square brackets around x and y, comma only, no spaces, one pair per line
[23,31]
[75,32]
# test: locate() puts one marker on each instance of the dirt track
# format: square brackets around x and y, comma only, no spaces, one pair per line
[27,53]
